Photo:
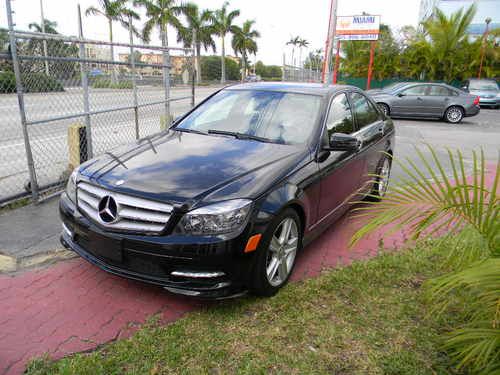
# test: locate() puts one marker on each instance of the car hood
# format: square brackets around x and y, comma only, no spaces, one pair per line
[484,93]
[187,168]
[374,91]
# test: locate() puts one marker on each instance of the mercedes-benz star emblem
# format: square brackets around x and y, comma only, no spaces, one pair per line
[108,209]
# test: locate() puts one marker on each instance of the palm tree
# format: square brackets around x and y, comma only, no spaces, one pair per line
[294,42]
[50,27]
[161,14]
[223,22]
[201,24]
[435,196]
[302,44]
[446,34]
[113,10]
[244,42]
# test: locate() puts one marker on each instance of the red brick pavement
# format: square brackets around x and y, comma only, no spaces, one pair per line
[73,306]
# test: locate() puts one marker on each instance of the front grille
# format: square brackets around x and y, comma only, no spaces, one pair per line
[132,214]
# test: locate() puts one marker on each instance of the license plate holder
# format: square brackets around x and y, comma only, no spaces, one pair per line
[107,247]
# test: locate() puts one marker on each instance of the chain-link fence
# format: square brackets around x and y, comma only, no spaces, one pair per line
[300,74]
[65,100]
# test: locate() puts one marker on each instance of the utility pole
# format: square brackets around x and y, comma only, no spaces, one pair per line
[483,46]
[330,39]
[45,53]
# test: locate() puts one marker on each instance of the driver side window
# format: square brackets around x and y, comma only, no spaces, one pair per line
[339,118]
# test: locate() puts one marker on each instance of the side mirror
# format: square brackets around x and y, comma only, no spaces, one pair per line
[401,94]
[343,142]
[465,88]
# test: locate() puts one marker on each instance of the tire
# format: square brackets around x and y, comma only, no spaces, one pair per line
[384,108]
[382,181]
[267,276]
[454,114]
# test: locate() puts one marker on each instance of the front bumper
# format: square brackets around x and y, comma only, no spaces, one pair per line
[489,101]
[183,265]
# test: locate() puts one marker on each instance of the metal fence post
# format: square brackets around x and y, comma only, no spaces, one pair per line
[134,82]
[166,75]
[20,99]
[194,60]
[85,87]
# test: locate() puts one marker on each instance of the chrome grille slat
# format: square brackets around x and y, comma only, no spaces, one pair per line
[91,200]
[134,214]
[138,214]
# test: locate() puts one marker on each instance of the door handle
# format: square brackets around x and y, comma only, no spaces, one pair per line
[419,98]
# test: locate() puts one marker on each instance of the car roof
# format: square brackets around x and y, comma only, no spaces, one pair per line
[293,87]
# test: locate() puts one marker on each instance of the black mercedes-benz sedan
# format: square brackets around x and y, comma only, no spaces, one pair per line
[222,201]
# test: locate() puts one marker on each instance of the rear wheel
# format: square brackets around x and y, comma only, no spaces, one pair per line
[382,179]
[276,257]
[454,114]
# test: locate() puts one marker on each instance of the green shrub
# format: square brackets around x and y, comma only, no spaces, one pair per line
[40,82]
[211,69]
[32,82]
[7,82]
[105,83]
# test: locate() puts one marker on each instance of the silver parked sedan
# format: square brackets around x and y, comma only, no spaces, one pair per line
[426,100]
[486,89]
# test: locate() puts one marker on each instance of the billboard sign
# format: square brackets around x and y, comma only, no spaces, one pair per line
[357,27]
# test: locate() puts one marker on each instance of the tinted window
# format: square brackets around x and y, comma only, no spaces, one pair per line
[339,116]
[439,91]
[366,114]
[415,90]
[278,116]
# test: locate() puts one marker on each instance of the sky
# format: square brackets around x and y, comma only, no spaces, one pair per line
[276,20]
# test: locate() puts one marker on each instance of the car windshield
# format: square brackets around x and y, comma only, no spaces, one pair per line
[483,85]
[278,117]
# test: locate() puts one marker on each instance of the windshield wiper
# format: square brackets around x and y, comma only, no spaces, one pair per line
[187,130]
[240,135]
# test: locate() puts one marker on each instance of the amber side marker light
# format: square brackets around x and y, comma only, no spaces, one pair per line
[252,243]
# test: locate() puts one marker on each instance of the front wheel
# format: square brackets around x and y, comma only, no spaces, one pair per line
[384,108]
[454,114]
[276,257]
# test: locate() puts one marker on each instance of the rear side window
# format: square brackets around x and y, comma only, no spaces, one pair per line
[435,90]
[415,90]
[365,112]
[340,116]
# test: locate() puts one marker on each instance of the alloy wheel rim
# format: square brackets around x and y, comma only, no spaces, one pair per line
[384,178]
[282,252]
[454,114]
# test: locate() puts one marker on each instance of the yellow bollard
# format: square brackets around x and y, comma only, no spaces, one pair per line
[77,145]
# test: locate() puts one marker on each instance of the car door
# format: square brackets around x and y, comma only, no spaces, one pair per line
[370,128]
[438,99]
[340,171]
[410,101]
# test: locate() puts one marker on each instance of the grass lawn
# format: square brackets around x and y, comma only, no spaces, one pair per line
[368,318]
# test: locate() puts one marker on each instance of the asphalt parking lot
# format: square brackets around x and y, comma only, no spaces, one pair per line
[474,133]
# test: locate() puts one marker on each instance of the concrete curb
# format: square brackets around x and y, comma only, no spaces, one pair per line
[9,264]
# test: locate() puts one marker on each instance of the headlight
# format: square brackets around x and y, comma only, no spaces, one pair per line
[71,186]
[219,218]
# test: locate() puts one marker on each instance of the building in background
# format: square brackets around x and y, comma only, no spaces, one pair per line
[485,9]
[94,52]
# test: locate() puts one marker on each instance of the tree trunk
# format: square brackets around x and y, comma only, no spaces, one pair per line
[112,50]
[198,62]
[223,62]
[244,66]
